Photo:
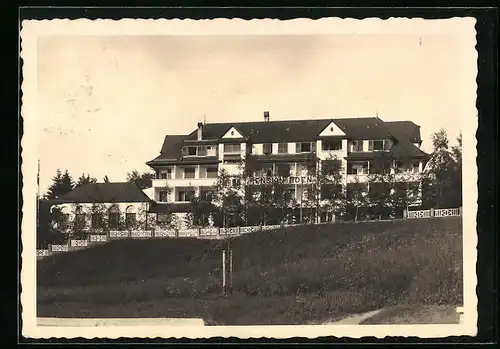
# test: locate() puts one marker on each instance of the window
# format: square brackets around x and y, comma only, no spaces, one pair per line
[267,148]
[331,167]
[97,221]
[332,145]
[185,195]
[232,148]
[235,182]
[130,217]
[79,220]
[189,173]
[414,167]
[357,168]
[357,145]
[202,150]
[166,174]
[162,217]
[192,151]
[282,148]
[305,147]
[163,195]
[114,217]
[376,145]
[211,172]
[330,191]
[130,220]
[283,170]
[207,194]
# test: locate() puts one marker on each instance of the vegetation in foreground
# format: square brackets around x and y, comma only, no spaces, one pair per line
[288,276]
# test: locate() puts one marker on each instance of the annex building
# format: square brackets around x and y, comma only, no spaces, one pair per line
[188,165]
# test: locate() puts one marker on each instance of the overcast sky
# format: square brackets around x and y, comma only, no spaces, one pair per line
[106,103]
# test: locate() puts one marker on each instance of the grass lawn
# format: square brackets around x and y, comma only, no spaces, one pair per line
[415,314]
[289,276]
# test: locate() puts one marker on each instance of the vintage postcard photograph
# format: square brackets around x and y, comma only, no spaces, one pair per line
[249,178]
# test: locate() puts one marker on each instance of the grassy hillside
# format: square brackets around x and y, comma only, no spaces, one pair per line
[292,275]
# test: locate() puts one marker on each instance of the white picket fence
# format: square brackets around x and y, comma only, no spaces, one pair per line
[208,233]
[434,213]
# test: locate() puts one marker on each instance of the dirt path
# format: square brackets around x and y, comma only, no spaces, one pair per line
[355,319]
[63,322]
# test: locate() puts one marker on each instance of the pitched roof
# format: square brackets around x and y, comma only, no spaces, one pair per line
[104,193]
[404,130]
[363,128]
[170,149]
[368,128]
[267,131]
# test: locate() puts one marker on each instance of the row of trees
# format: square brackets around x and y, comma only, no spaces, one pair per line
[385,192]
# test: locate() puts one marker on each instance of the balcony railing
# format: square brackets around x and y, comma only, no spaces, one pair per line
[158,183]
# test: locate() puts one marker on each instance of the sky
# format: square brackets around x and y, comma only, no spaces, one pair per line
[105,103]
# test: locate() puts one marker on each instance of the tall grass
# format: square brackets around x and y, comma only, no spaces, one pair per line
[289,275]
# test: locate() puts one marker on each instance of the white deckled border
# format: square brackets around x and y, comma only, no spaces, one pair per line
[31,30]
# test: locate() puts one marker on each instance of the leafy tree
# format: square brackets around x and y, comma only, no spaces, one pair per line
[62,183]
[85,179]
[443,178]
[356,198]
[229,199]
[329,185]
[381,181]
[142,181]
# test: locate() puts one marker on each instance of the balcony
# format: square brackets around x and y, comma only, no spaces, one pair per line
[184,182]
[402,177]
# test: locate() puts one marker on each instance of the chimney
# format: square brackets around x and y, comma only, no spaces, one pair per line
[200,131]
[266,116]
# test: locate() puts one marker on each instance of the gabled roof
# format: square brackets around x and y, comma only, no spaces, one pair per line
[363,128]
[404,130]
[170,150]
[267,131]
[103,193]
[404,133]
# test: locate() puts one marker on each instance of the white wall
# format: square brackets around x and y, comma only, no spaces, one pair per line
[140,208]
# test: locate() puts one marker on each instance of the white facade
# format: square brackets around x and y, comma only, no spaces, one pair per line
[331,143]
[137,210]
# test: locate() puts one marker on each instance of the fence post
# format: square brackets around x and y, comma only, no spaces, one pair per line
[224,271]
[198,232]
[405,213]
[239,230]
[432,212]
[460,210]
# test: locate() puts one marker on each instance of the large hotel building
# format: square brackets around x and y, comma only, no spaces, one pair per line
[189,164]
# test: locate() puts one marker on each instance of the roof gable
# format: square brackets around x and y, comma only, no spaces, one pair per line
[332,130]
[232,133]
